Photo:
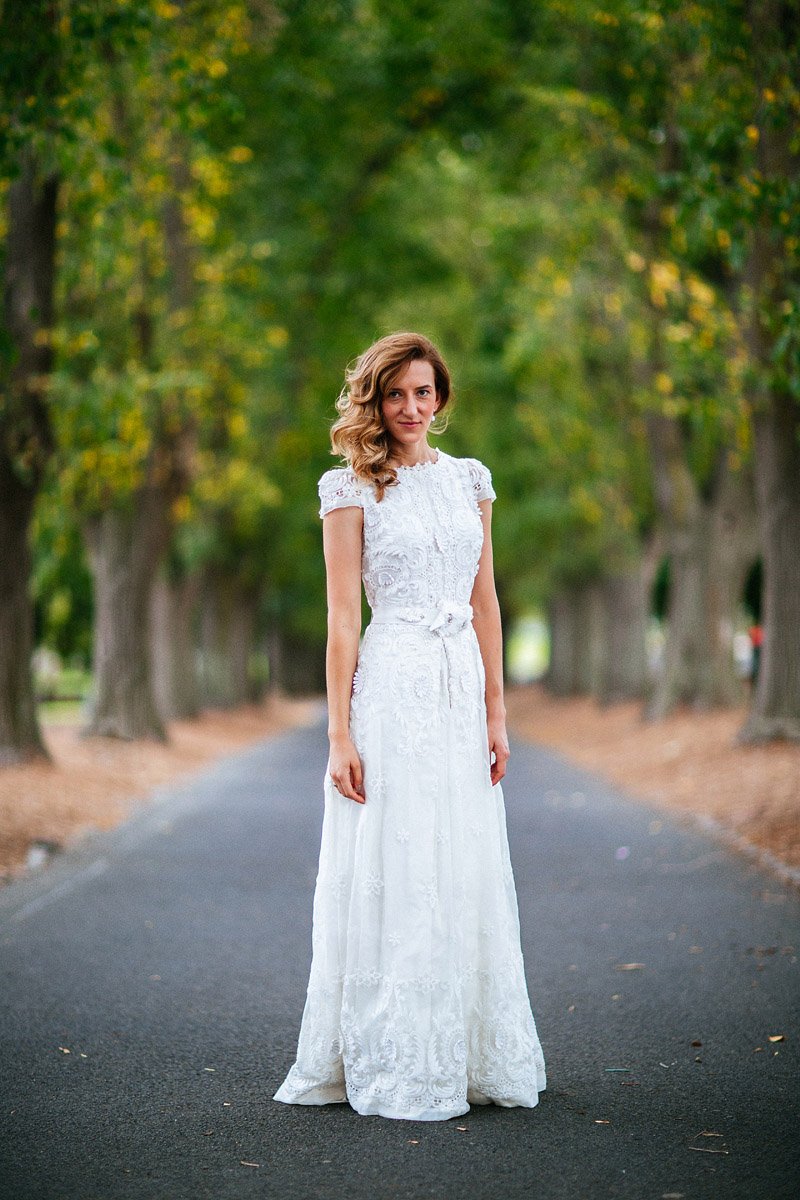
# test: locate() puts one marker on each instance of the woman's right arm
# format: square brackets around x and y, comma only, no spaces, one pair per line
[342,531]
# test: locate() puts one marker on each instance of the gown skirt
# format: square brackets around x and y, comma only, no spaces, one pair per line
[417,1004]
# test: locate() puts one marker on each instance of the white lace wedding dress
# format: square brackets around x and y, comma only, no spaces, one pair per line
[417,1003]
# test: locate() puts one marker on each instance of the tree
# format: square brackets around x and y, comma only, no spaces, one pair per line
[133,377]
[43,52]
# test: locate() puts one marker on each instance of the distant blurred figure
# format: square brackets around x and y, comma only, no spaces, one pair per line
[756,633]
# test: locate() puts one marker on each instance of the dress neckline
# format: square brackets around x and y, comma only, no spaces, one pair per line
[432,462]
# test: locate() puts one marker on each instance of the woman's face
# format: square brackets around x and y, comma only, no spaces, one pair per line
[409,403]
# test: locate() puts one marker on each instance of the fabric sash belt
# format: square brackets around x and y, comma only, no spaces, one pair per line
[444,618]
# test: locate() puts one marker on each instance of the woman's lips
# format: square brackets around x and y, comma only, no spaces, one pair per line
[410,424]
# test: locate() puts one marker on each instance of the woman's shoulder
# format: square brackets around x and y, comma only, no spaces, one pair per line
[339,487]
[477,476]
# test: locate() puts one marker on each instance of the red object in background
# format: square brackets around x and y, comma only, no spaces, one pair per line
[756,636]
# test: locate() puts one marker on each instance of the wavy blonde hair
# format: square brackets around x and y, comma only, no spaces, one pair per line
[360,435]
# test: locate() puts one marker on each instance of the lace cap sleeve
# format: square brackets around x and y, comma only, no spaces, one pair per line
[339,488]
[480,479]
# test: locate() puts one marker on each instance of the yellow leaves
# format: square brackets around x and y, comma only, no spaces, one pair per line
[238,486]
[700,291]
[585,505]
[149,228]
[605,18]
[679,331]
[240,154]
[635,261]
[254,356]
[664,282]
[237,425]
[85,340]
[201,219]
[277,337]
[768,95]
[663,384]
[217,68]
[723,239]
[261,249]
[213,175]
[562,286]
[182,510]
[167,12]
[753,133]
[132,427]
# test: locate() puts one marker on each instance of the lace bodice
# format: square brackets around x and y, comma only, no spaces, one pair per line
[422,542]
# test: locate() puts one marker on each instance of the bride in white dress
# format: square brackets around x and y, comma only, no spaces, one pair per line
[417,1004]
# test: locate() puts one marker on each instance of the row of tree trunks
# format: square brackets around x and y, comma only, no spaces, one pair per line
[711,541]
[25,439]
[775,713]
[228,611]
[296,665]
[598,637]
[203,629]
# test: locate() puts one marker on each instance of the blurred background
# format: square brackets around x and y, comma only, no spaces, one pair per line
[210,208]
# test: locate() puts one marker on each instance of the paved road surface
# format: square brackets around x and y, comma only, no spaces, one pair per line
[171,958]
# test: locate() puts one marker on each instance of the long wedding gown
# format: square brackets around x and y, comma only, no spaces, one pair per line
[417,1003]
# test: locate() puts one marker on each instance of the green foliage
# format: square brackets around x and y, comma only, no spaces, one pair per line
[562,195]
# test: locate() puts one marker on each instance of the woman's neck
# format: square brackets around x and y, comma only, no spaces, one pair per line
[412,456]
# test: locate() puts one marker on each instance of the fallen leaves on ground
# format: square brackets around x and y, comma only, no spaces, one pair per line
[94,783]
[689,761]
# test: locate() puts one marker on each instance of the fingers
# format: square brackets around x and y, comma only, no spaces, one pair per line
[348,780]
[501,754]
[358,779]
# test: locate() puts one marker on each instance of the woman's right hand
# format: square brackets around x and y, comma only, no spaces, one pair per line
[344,767]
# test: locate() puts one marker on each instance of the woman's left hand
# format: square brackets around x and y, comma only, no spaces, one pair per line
[498,746]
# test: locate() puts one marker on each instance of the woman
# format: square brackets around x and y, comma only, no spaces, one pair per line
[417,1004]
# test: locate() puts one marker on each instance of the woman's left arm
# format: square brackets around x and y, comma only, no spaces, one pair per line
[486,620]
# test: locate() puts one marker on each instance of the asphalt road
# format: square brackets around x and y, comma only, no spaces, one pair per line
[153,985]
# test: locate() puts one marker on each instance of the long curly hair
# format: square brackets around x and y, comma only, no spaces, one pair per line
[360,435]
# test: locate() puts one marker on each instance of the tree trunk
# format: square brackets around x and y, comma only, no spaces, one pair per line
[776,705]
[20,736]
[125,547]
[625,601]
[589,651]
[296,666]
[176,685]
[25,441]
[562,672]
[227,629]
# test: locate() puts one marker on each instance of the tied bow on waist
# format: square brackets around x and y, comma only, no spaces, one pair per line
[445,618]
